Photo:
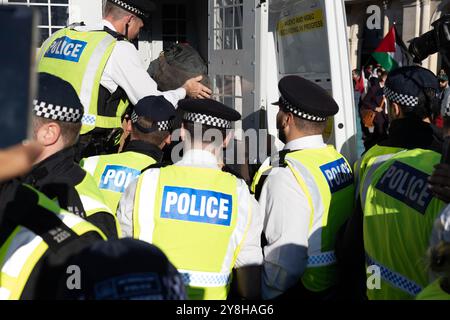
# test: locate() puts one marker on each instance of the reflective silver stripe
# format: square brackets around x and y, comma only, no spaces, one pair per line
[244,217]
[90,164]
[25,243]
[315,232]
[70,219]
[41,53]
[146,205]
[369,173]
[323,259]
[20,249]
[4,293]
[205,279]
[395,279]
[90,204]
[87,84]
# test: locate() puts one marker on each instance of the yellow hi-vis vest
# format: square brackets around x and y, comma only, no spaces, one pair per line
[93,201]
[199,217]
[433,292]
[114,172]
[399,212]
[80,57]
[23,249]
[360,166]
[326,179]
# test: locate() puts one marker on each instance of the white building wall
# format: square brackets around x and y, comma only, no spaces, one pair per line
[87,11]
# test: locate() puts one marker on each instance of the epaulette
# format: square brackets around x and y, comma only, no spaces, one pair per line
[25,210]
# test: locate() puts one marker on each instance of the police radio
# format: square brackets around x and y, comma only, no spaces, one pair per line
[446,150]
[17,84]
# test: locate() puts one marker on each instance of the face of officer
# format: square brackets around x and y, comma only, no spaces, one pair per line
[282,124]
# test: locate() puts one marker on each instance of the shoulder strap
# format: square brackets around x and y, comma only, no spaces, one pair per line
[158,165]
[118,36]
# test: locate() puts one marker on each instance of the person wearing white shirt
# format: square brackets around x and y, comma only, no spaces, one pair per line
[105,69]
[203,217]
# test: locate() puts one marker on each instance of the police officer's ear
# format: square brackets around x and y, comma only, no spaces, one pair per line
[48,134]
[167,140]
[128,125]
[395,112]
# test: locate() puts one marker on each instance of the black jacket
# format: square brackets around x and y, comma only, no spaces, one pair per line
[413,133]
[57,177]
[145,148]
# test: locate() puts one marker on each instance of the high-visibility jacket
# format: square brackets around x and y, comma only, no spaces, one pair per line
[399,212]
[199,217]
[80,57]
[114,172]
[326,179]
[360,166]
[433,292]
[24,248]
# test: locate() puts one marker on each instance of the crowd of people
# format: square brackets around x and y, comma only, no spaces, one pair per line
[95,206]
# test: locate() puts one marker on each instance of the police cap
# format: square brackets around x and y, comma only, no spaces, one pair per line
[306,99]
[407,85]
[125,269]
[208,112]
[57,100]
[158,109]
[140,8]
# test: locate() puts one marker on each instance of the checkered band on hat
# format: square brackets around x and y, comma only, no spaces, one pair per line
[134,117]
[207,120]
[164,125]
[286,104]
[128,7]
[401,99]
[60,113]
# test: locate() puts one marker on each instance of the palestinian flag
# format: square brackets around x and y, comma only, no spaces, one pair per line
[392,52]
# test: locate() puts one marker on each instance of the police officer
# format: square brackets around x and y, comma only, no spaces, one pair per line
[106,71]
[203,218]
[149,128]
[411,94]
[57,114]
[306,196]
[37,238]
[399,209]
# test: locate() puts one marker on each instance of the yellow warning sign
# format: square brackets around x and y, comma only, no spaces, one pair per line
[303,23]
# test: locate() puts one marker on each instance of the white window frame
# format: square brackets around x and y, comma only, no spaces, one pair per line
[47,4]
